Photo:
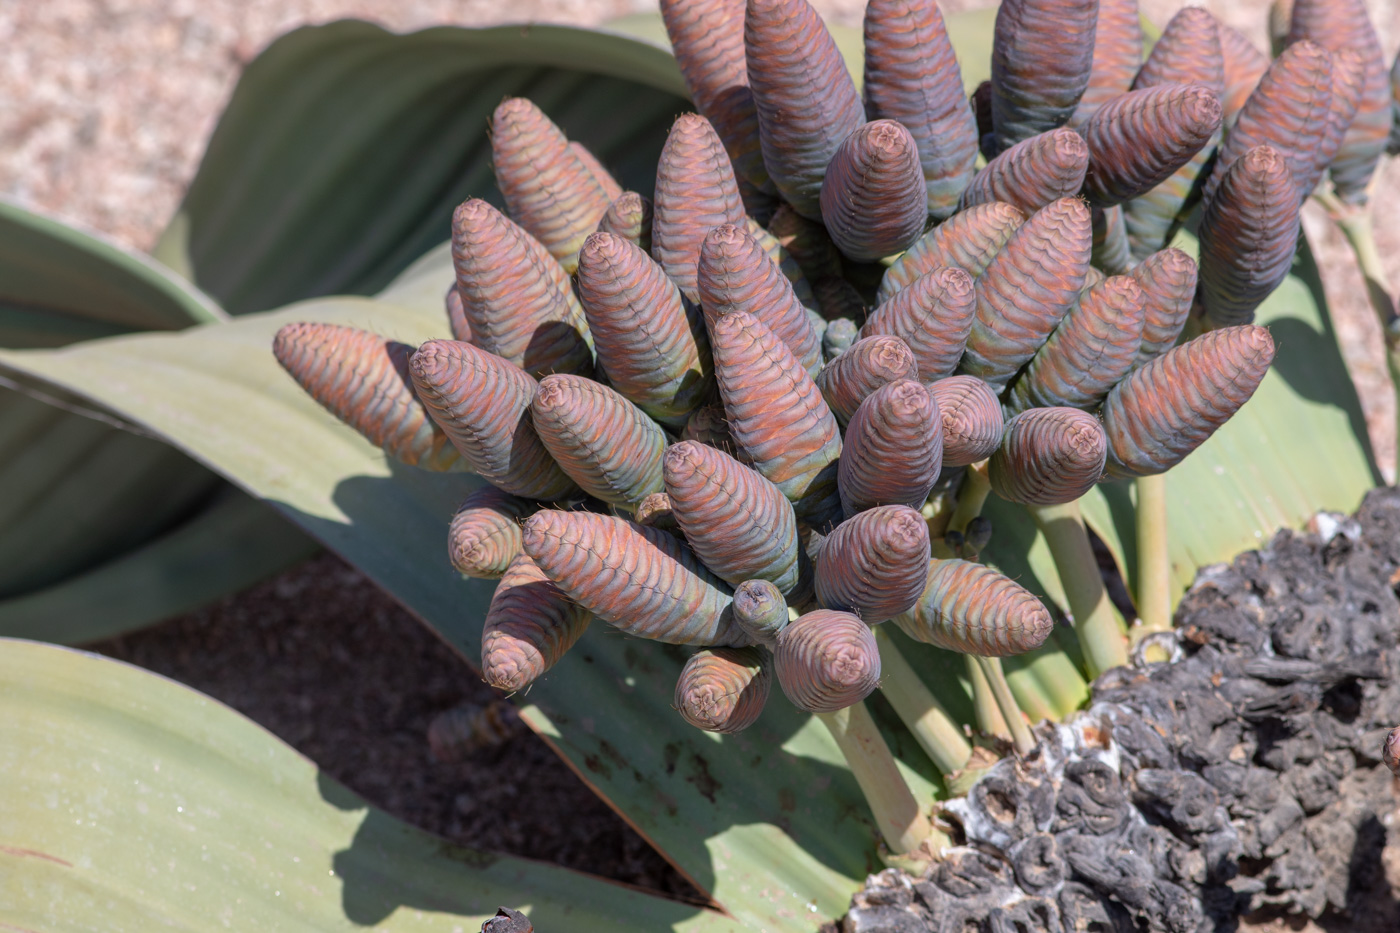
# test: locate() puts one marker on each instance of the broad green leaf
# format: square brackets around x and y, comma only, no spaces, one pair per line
[233,542]
[345,147]
[768,821]
[132,803]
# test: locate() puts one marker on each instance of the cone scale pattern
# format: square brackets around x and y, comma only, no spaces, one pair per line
[827,661]
[529,626]
[760,610]
[1117,56]
[1048,456]
[934,316]
[724,689]
[971,608]
[972,419]
[484,536]
[629,217]
[968,240]
[1168,282]
[893,449]
[363,379]
[873,199]
[695,192]
[1036,83]
[871,563]
[862,368]
[1244,66]
[1162,412]
[1032,173]
[1140,139]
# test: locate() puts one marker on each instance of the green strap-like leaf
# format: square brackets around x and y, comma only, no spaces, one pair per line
[131,803]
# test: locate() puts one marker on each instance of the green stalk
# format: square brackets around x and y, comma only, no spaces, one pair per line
[984,703]
[906,827]
[937,733]
[1020,732]
[972,495]
[1095,620]
[1154,602]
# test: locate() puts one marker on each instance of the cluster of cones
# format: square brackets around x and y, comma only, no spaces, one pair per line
[716,417]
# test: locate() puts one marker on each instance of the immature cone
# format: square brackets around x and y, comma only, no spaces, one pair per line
[1117,56]
[655,512]
[1048,456]
[912,76]
[651,344]
[873,199]
[778,255]
[736,522]
[760,610]
[1168,282]
[629,217]
[707,37]
[484,536]
[968,240]
[1390,751]
[1027,289]
[483,405]
[723,689]
[602,441]
[530,624]
[873,563]
[708,424]
[866,365]
[934,316]
[827,661]
[808,243]
[1168,408]
[641,580]
[838,300]
[1094,347]
[807,103]
[1339,24]
[1244,66]
[893,449]
[734,274]
[1249,233]
[971,608]
[1288,111]
[363,380]
[1138,140]
[1348,88]
[695,192]
[1188,53]
[972,419]
[457,317]
[1042,54]
[776,413]
[517,298]
[1032,173]
[548,189]
[595,168]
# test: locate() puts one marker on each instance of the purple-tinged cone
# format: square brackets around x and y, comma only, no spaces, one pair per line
[723,689]
[363,379]
[651,344]
[968,240]
[1027,289]
[807,103]
[736,522]
[1111,253]
[1249,233]
[912,76]
[600,173]
[517,298]
[873,199]
[602,441]
[776,414]
[1288,111]
[655,512]
[734,274]
[709,425]
[483,405]
[1042,56]
[548,189]
[640,580]
[1244,67]
[808,243]
[1339,24]
[1032,173]
[530,624]
[629,217]
[971,608]
[872,564]
[893,449]
[1138,140]
[1162,412]
[862,368]
[934,316]
[707,37]
[695,192]
[484,536]
[972,419]
[456,316]
[827,661]
[760,610]
[1168,282]
[1094,347]
[1348,86]
[1117,56]
[1048,456]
